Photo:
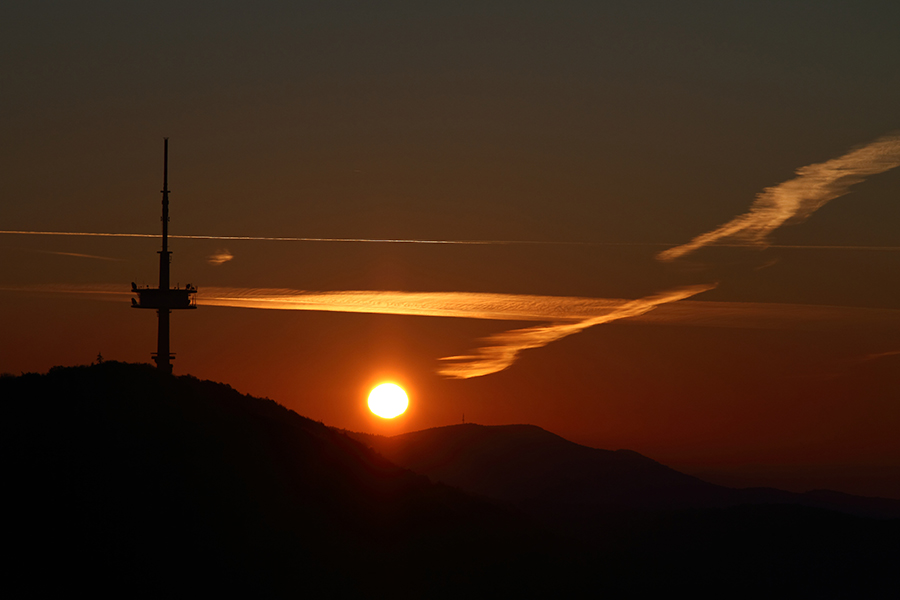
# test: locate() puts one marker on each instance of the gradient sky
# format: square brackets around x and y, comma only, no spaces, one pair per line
[608,131]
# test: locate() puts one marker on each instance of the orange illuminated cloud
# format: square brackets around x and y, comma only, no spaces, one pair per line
[569,315]
[501,307]
[220,257]
[502,349]
[563,315]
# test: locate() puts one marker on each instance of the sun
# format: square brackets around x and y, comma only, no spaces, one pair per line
[388,400]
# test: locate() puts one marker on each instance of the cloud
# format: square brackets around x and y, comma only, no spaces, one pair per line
[220,257]
[796,199]
[570,315]
[566,314]
[772,316]
[519,307]
[471,305]
[431,242]
[502,349]
[793,200]
[77,255]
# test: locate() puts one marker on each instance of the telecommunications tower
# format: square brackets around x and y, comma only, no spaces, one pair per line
[163,298]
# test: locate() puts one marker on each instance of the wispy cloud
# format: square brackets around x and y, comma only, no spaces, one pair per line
[796,199]
[470,305]
[77,255]
[502,349]
[773,316]
[793,200]
[518,307]
[564,315]
[567,315]
[96,291]
[220,256]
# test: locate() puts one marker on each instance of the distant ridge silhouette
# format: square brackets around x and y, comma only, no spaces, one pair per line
[545,473]
[129,482]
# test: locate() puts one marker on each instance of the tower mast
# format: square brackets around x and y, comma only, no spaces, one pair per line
[164,298]
[163,358]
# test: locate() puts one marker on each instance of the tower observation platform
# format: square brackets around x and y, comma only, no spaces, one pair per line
[164,298]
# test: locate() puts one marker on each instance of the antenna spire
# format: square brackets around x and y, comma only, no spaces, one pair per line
[164,299]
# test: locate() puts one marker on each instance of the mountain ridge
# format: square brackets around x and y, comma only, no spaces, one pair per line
[549,466]
[127,481]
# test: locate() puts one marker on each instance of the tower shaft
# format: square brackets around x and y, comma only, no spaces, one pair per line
[163,357]
[164,299]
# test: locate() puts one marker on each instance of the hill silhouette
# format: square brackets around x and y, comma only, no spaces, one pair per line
[128,482]
[670,527]
[549,475]
[124,479]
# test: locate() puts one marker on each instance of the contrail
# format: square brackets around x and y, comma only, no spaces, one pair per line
[77,255]
[437,242]
[469,305]
[515,307]
[314,239]
[796,199]
[566,314]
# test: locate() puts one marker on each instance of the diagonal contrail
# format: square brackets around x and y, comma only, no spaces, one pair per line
[798,198]
[792,200]
[566,315]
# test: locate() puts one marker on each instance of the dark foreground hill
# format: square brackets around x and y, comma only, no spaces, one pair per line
[120,481]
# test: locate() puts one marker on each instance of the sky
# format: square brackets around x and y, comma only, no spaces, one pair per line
[578,142]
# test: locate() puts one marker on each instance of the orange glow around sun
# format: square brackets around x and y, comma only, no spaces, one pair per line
[388,400]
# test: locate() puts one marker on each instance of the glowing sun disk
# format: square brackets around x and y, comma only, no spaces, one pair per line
[388,400]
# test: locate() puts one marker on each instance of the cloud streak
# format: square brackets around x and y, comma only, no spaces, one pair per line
[516,307]
[434,242]
[470,305]
[78,255]
[796,199]
[502,349]
[793,200]
[220,257]
[313,239]
[568,315]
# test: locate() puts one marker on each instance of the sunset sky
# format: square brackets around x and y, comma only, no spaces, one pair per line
[578,140]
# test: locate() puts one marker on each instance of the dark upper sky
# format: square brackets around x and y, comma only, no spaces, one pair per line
[598,122]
